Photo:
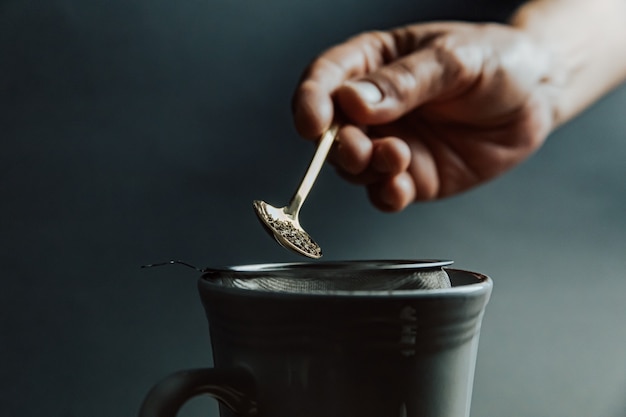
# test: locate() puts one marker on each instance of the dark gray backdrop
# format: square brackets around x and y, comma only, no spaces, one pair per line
[138,131]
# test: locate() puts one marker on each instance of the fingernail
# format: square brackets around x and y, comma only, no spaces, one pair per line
[368,91]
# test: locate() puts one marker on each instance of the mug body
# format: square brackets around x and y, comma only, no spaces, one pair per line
[349,353]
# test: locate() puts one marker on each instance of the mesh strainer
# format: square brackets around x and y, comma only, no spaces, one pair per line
[329,277]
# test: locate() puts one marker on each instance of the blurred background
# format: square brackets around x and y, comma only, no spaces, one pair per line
[135,131]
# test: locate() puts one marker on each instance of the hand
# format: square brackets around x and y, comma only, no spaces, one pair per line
[429,110]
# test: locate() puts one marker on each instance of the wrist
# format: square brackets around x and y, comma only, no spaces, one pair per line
[586,42]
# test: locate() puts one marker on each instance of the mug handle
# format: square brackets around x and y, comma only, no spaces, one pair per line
[232,387]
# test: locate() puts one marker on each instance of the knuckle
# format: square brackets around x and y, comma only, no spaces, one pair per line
[376,48]
[369,37]
[461,62]
[397,81]
[447,54]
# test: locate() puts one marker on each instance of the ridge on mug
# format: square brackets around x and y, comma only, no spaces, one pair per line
[335,339]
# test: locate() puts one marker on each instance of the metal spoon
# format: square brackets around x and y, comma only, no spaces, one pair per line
[283,223]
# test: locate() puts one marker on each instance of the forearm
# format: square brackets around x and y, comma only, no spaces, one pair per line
[587,40]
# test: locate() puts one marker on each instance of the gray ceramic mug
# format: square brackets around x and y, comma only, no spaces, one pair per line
[280,352]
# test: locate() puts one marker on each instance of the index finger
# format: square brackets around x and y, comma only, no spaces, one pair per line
[312,102]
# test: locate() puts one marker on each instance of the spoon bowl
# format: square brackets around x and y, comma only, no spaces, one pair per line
[286,229]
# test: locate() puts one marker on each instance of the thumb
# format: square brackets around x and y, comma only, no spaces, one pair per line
[394,90]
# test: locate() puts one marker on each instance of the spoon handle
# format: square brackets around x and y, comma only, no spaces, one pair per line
[323,147]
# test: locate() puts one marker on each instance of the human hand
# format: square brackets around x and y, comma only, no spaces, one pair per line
[429,110]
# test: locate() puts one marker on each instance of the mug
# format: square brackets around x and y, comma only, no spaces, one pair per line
[286,348]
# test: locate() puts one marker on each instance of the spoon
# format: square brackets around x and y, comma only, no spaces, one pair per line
[283,223]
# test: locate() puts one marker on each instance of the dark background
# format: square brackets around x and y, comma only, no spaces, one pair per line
[138,131]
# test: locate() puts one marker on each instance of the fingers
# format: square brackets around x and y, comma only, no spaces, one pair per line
[363,161]
[394,173]
[382,165]
[378,77]
[312,101]
[396,89]
[313,110]
[393,194]
[353,151]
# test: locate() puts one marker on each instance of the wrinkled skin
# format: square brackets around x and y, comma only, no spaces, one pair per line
[429,110]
